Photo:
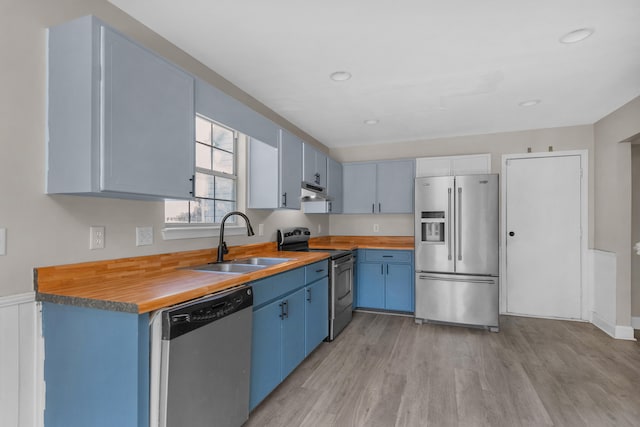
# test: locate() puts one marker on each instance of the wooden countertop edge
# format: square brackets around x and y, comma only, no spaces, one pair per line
[144,284]
[200,283]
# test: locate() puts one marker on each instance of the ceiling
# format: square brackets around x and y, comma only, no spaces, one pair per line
[422,68]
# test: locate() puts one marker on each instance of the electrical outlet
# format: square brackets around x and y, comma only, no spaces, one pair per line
[96,237]
[376,228]
[3,241]
[260,229]
[144,236]
[319,228]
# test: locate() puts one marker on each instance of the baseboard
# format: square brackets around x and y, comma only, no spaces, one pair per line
[635,322]
[614,331]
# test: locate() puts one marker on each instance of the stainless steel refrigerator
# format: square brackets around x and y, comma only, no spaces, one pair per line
[456,250]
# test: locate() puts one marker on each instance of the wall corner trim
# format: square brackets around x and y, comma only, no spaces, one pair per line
[615,331]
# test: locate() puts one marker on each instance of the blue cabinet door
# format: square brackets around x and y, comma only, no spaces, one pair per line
[266,352]
[317,314]
[399,287]
[359,188]
[371,285]
[293,331]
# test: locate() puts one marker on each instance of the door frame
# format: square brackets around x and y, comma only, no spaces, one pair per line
[585,284]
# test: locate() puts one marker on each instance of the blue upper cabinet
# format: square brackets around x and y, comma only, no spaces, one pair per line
[314,169]
[381,187]
[120,118]
[290,170]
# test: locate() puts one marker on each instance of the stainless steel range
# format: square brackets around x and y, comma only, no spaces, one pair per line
[340,276]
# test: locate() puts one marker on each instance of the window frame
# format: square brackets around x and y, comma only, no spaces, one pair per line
[186,230]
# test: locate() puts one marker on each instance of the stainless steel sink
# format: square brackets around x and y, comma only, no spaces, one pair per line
[228,267]
[263,261]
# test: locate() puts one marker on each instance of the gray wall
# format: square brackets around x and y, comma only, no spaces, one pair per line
[635,229]
[49,230]
[613,196]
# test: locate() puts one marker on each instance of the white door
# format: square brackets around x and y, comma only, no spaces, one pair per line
[543,241]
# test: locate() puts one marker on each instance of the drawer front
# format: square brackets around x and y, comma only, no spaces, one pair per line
[316,271]
[373,255]
[270,288]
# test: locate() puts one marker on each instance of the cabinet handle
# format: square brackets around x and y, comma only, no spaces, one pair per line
[309,295]
[320,271]
[387,256]
[317,176]
[373,208]
[330,207]
[387,269]
[193,185]
[284,199]
[379,207]
[286,308]
[281,310]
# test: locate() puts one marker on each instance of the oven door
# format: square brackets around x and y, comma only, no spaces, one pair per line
[341,286]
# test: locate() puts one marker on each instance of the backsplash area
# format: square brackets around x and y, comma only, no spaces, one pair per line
[371,225]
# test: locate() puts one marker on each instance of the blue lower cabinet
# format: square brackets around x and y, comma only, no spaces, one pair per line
[399,288]
[96,367]
[290,319]
[316,314]
[371,285]
[266,351]
[293,332]
[385,280]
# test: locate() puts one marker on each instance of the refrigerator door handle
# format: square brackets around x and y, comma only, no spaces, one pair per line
[459,224]
[449,226]
[445,279]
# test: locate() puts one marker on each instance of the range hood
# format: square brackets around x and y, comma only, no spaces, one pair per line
[312,192]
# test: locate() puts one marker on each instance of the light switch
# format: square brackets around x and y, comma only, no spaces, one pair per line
[3,241]
[144,236]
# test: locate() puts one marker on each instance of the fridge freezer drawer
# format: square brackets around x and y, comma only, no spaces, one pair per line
[469,300]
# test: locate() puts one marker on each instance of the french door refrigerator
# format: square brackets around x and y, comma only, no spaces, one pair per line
[456,250]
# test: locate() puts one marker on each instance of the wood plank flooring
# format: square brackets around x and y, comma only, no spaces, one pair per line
[388,371]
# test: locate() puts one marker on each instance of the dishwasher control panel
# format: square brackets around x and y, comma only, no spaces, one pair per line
[185,317]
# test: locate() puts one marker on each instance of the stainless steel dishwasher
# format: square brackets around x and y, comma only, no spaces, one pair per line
[205,361]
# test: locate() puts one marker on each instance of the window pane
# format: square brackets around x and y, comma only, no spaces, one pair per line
[176,211]
[203,130]
[222,138]
[225,188]
[202,211]
[223,162]
[204,186]
[223,208]
[203,156]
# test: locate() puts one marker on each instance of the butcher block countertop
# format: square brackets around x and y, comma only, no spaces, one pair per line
[363,242]
[144,284]
[148,283]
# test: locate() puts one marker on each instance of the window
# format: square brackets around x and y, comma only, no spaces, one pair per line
[215,179]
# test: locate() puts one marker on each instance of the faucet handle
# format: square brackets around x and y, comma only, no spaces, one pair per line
[225,250]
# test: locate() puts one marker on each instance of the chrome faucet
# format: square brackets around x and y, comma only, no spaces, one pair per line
[222,245]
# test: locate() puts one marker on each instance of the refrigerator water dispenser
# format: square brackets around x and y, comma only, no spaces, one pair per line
[433,226]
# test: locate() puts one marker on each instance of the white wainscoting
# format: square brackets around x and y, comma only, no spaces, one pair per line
[21,362]
[603,274]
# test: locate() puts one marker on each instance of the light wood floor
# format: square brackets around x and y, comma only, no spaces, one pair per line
[388,371]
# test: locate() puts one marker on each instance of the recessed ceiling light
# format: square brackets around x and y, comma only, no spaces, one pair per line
[340,76]
[576,35]
[529,103]
[371,122]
